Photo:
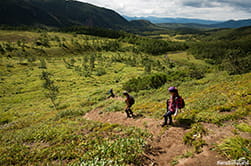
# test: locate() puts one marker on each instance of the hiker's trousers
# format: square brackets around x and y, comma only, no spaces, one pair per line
[167,115]
[129,111]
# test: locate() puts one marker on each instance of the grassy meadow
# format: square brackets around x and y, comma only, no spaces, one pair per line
[49,80]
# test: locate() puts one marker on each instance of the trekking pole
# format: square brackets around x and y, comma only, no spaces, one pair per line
[176,113]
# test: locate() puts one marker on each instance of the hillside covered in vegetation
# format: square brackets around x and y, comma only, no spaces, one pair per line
[55,110]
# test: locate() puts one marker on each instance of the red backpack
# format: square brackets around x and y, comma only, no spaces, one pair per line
[182,105]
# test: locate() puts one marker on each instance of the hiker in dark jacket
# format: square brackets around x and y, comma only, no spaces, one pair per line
[129,102]
[112,95]
[173,104]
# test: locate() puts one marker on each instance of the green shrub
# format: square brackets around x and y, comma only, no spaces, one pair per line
[110,46]
[196,72]
[194,137]
[244,127]
[100,71]
[9,65]
[2,51]
[176,75]
[152,81]
[52,89]
[69,113]
[4,120]
[8,47]
[235,147]
[43,40]
[42,64]
[187,73]
[98,162]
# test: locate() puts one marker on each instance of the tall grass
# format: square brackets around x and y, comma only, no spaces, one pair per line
[236,147]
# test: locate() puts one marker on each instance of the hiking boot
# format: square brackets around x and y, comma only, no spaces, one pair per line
[164,124]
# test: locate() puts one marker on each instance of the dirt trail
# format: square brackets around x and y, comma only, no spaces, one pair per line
[166,143]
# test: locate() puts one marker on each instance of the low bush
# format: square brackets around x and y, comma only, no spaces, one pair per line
[100,71]
[235,148]
[42,64]
[244,127]
[69,113]
[194,137]
[152,81]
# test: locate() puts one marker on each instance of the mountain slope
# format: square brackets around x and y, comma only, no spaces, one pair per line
[57,13]
[141,23]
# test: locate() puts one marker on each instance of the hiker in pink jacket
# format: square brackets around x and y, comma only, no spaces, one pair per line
[173,104]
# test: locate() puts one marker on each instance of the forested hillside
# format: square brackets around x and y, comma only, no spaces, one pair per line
[229,49]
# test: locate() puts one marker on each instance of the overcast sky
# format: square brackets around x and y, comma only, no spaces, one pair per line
[204,9]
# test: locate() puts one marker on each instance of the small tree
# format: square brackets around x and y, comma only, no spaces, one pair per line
[2,49]
[148,67]
[92,61]
[73,61]
[43,40]
[57,39]
[42,64]
[52,90]
[31,59]
[19,43]
[9,47]
[147,64]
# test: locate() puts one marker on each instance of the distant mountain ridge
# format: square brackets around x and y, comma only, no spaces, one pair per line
[233,24]
[227,24]
[193,23]
[157,20]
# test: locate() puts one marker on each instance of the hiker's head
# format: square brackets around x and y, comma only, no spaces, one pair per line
[125,93]
[173,90]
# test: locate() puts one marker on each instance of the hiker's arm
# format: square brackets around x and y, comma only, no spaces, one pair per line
[167,104]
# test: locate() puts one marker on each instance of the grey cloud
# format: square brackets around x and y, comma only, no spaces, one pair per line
[239,4]
[236,4]
[203,9]
[200,3]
